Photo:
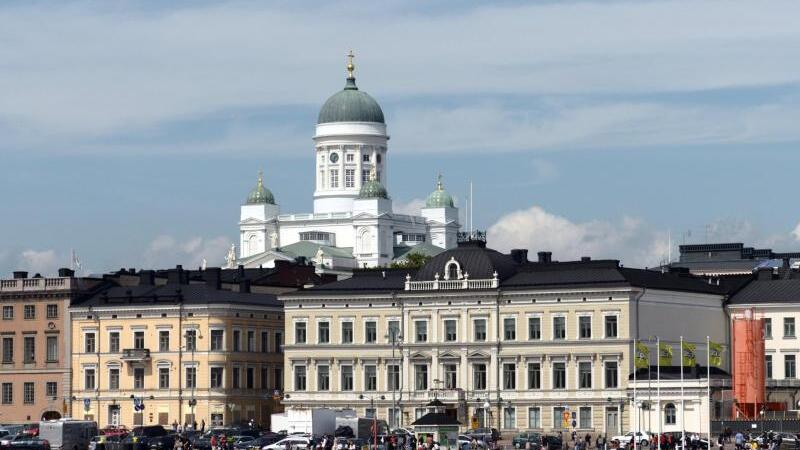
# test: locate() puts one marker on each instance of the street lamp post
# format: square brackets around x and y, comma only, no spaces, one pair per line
[395,339]
[191,337]
[374,416]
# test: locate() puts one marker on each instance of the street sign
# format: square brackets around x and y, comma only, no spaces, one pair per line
[86,403]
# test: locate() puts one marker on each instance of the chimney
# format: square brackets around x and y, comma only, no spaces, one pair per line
[519,255]
[545,257]
[20,274]
[240,271]
[147,277]
[213,277]
[244,286]
[764,274]
[175,276]
[586,258]
[66,273]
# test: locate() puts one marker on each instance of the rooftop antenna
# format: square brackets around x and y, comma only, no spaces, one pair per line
[471,210]
[669,244]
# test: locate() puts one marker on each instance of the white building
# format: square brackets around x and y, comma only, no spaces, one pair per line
[352,224]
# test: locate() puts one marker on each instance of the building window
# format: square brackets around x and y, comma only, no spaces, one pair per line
[611,326]
[509,418]
[236,378]
[264,374]
[534,376]
[347,378]
[8,312]
[768,365]
[789,366]
[27,391]
[138,378]
[509,376]
[217,340]
[249,378]
[334,174]
[480,330]
[348,157]
[349,177]
[452,271]
[8,350]
[237,340]
[88,379]
[450,330]
[584,375]
[278,378]
[365,157]
[370,378]
[265,342]
[89,343]
[278,342]
[509,329]
[534,328]
[479,377]
[51,389]
[163,341]
[29,311]
[394,331]
[323,378]
[393,374]
[788,327]
[163,377]
[670,416]
[534,418]
[559,375]
[8,393]
[29,347]
[52,348]
[767,328]
[52,311]
[251,341]
[371,332]
[216,377]
[585,417]
[421,331]
[450,376]
[299,378]
[138,340]
[559,328]
[347,332]
[113,342]
[558,417]
[324,332]
[191,377]
[364,175]
[612,375]
[421,377]
[113,379]
[584,327]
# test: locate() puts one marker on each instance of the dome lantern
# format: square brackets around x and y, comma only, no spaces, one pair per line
[439,198]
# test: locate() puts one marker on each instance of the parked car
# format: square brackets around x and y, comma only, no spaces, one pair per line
[294,441]
[149,437]
[25,442]
[68,434]
[485,434]
[642,438]
[115,430]
[552,443]
[258,443]
[465,442]
[521,440]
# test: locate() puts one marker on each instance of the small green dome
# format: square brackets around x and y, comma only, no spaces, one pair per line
[260,194]
[439,198]
[373,189]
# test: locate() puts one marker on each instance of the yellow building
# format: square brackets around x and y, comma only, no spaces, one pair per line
[184,351]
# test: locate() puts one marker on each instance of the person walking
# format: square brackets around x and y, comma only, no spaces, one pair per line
[600,443]
[213,442]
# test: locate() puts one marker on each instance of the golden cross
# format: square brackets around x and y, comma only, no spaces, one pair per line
[350,66]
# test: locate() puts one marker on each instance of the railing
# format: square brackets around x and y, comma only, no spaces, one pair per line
[35,284]
[136,354]
[465,283]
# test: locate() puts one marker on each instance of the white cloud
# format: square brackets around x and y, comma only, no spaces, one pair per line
[166,251]
[45,262]
[411,207]
[627,239]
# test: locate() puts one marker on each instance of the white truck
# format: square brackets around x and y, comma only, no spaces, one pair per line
[68,434]
[314,421]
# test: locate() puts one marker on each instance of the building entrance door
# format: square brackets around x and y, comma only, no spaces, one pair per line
[113,415]
[612,421]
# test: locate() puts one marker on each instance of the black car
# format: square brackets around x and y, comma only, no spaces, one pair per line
[26,442]
[485,434]
[551,443]
[149,437]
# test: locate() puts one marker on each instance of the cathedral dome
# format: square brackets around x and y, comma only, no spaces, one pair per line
[373,189]
[350,104]
[260,194]
[439,198]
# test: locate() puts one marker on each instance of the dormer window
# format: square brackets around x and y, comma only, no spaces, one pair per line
[452,270]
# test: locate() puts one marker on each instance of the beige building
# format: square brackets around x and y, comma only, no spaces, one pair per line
[35,336]
[199,346]
[502,341]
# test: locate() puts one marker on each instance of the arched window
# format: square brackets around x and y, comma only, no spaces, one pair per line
[670,417]
[452,270]
[252,244]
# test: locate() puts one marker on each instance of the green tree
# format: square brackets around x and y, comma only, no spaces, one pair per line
[411,261]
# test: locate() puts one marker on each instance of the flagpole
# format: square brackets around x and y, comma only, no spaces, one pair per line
[658,388]
[635,408]
[683,404]
[708,385]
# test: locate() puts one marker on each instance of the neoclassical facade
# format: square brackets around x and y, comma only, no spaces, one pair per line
[353,223]
[501,340]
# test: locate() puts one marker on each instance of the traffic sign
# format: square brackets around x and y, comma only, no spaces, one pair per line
[86,403]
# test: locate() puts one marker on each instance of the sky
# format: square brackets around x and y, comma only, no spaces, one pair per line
[131,132]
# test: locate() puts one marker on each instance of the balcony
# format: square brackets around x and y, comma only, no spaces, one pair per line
[36,284]
[136,355]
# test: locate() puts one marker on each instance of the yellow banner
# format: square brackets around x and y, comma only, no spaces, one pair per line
[664,354]
[689,354]
[715,354]
[642,356]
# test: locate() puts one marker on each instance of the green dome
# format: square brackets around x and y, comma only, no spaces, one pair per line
[439,198]
[350,105]
[373,189]
[260,194]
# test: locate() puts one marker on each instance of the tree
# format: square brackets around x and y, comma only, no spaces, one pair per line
[411,260]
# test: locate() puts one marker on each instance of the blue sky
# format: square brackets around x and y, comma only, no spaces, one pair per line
[132,131]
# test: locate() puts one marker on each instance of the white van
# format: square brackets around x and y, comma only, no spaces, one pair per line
[68,434]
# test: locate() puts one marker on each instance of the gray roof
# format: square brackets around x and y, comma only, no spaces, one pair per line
[785,290]
[172,294]
[475,259]
[350,105]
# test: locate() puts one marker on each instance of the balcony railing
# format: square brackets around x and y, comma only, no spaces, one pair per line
[464,283]
[136,354]
[35,284]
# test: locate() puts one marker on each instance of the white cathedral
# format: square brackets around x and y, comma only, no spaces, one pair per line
[353,225]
